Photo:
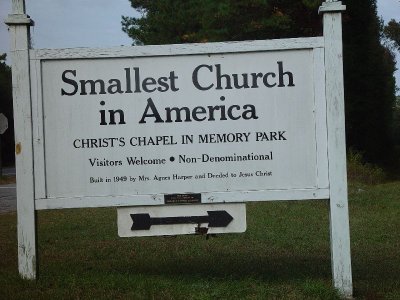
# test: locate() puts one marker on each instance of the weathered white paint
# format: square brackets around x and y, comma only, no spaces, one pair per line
[19,32]
[237,225]
[158,199]
[18,7]
[180,49]
[339,218]
[332,6]
[320,108]
[38,139]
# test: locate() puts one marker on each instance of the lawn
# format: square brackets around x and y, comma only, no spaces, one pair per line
[284,254]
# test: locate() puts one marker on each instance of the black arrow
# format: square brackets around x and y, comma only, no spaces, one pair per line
[216,218]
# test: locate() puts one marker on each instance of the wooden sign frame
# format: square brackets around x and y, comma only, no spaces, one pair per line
[26,112]
[315,45]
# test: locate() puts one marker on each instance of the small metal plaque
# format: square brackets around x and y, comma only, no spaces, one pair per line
[182,198]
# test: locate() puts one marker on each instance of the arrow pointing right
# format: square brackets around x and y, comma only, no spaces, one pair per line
[217,218]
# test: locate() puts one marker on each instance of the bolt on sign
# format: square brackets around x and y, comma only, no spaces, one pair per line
[171,133]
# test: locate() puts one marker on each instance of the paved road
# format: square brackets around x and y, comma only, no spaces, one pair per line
[8,171]
[8,194]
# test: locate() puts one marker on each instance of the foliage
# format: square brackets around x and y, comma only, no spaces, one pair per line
[6,107]
[174,21]
[360,172]
[392,32]
[369,83]
[368,66]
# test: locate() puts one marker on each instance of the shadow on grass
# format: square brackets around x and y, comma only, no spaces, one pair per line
[270,269]
[185,258]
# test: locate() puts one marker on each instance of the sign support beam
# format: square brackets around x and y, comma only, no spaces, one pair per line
[339,216]
[19,24]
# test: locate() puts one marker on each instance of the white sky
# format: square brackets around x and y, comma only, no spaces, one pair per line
[97,23]
[72,23]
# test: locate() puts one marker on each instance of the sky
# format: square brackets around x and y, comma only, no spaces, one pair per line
[97,23]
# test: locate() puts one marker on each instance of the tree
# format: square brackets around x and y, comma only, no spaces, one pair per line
[174,21]
[369,83]
[368,66]
[6,107]
[392,32]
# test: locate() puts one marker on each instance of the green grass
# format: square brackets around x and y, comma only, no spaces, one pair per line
[284,254]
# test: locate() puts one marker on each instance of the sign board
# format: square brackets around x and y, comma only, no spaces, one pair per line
[181,219]
[3,123]
[223,122]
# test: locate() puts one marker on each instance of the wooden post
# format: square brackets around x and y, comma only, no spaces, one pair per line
[19,24]
[339,215]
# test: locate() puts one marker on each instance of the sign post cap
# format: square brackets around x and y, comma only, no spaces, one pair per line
[331,6]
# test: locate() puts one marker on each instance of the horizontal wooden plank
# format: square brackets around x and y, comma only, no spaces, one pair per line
[158,199]
[181,49]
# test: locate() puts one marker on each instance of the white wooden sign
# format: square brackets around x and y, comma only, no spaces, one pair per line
[223,120]
[196,124]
